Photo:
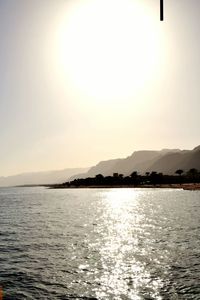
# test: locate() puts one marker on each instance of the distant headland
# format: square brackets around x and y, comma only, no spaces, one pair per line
[189,180]
[165,168]
[149,165]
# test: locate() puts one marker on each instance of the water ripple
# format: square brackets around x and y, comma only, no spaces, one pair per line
[99,244]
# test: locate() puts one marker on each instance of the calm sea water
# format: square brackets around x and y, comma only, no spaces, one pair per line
[99,244]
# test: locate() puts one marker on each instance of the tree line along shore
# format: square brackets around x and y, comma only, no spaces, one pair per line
[189,180]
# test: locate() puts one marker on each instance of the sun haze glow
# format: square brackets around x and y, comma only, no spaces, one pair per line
[83,81]
[109,49]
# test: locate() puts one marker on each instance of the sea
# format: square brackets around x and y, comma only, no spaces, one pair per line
[104,244]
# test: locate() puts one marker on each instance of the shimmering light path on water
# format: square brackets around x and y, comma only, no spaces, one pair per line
[99,244]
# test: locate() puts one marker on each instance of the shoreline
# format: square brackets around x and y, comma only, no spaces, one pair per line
[184,186]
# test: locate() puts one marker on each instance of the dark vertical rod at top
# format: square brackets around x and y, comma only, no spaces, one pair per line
[161,10]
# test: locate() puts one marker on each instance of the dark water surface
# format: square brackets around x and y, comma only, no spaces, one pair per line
[99,244]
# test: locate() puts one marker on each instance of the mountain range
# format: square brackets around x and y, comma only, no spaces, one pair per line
[166,161]
[35,178]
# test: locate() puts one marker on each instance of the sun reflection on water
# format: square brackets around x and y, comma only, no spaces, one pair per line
[124,271]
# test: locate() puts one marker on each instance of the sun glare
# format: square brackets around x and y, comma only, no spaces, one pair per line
[109,49]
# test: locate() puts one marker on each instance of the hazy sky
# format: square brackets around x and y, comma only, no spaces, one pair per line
[87,80]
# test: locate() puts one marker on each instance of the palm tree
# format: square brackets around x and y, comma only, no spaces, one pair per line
[134,174]
[179,172]
[154,177]
[99,176]
[193,173]
[134,177]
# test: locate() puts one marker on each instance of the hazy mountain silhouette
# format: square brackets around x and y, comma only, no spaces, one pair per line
[184,160]
[103,167]
[166,161]
[138,161]
[46,177]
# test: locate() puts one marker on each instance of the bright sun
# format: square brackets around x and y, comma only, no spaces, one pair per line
[109,49]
